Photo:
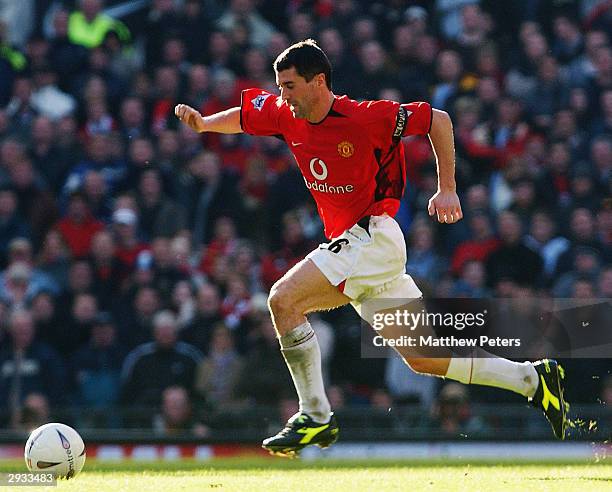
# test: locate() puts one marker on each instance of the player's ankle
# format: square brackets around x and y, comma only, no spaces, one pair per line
[319,416]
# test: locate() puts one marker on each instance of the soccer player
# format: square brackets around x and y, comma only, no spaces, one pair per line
[352,162]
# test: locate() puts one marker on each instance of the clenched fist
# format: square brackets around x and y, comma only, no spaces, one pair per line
[445,204]
[191,117]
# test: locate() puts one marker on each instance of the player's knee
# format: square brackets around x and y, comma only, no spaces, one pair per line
[420,365]
[279,299]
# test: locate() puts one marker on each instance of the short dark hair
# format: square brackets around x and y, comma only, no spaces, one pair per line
[308,60]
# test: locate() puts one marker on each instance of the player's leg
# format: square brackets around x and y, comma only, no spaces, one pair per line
[303,289]
[481,368]
[541,382]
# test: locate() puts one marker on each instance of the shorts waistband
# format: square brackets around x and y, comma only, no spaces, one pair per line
[364,223]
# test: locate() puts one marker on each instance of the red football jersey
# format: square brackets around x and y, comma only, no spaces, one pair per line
[352,161]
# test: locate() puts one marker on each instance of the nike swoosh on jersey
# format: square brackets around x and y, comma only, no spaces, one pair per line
[295,144]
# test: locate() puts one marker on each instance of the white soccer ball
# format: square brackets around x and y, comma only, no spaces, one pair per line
[55,448]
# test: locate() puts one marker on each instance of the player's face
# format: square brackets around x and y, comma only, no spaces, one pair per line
[298,93]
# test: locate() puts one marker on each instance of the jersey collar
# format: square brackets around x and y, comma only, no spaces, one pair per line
[332,112]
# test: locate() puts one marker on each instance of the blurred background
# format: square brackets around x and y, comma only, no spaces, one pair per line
[136,255]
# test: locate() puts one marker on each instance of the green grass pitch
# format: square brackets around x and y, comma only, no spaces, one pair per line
[270,475]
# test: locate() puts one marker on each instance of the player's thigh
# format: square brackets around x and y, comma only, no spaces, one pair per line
[405,317]
[305,289]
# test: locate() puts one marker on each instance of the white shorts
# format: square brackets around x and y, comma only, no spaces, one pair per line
[368,264]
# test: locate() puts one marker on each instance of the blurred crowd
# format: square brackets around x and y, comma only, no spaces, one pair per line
[136,254]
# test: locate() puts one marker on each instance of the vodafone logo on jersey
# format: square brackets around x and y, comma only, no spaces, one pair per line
[317,165]
[318,168]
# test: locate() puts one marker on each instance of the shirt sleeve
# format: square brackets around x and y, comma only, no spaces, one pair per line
[259,112]
[388,120]
[413,119]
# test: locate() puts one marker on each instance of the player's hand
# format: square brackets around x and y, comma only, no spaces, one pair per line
[191,117]
[445,204]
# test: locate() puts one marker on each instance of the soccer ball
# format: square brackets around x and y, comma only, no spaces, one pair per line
[55,448]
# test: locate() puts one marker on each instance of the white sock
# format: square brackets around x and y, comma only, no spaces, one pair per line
[520,377]
[302,354]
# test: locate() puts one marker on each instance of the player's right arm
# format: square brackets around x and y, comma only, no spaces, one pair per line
[227,121]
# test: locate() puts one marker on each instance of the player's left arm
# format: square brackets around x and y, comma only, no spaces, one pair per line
[445,202]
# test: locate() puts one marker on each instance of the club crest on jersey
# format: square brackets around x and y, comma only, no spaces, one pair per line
[346,149]
[259,101]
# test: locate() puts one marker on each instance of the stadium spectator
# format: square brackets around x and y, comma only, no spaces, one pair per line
[601,156]
[95,190]
[20,253]
[97,365]
[183,303]
[198,85]
[449,71]
[167,86]
[207,194]
[12,225]
[141,153]
[223,243]
[243,11]
[246,265]
[80,280]
[542,240]
[47,98]
[406,386]
[78,226]
[220,369]
[374,72]
[524,199]
[129,246]
[294,246]
[334,44]
[132,123]
[83,312]
[586,267]
[481,244]
[165,273]
[66,57]
[88,25]
[584,193]
[336,397]
[19,106]
[512,260]
[46,320]
[35,204]
[207,315]
[29,365]
[472,282]
[34,413]
[451,414]
[154,366]
[263,379]
[46,156]
[581,234]
[16,280]
[177,416]
[160,216]
[604,284]
[136,320]
[98,158]
[423,260]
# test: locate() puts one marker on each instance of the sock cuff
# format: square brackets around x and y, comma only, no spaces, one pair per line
[299,335]
[461,369]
